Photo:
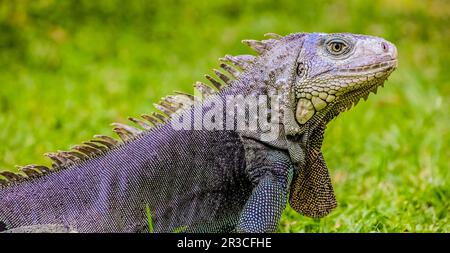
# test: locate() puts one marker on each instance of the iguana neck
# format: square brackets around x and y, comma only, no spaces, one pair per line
[299,138]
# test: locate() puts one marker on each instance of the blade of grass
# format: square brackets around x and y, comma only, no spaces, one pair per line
[149,218]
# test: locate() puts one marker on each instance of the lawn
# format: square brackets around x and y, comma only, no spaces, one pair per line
[70,68]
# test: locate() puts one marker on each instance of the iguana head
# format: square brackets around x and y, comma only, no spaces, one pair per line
[320,75]
[336,70]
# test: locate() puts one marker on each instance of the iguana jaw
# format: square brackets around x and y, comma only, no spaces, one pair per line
[375,77]
[368,81]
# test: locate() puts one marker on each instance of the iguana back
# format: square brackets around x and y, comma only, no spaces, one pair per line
[207,186]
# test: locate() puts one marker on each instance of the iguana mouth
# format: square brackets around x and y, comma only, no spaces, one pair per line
[380,73]
[374,68]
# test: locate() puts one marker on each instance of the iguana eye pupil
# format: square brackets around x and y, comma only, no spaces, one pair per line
[337,47]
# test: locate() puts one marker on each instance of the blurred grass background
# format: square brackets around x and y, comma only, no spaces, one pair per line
[70,68]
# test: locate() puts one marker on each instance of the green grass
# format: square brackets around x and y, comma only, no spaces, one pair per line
[148,214]
[70,68]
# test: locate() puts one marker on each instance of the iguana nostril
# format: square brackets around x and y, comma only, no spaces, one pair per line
[385,47]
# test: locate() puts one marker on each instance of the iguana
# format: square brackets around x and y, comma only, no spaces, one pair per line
[210,180]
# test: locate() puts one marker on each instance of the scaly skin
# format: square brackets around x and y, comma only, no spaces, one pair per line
[210,181]
[334,72]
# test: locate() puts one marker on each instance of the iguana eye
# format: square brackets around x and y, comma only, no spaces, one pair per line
[337,47]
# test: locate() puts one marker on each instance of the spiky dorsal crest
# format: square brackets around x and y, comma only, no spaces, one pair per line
[259,46]
[273,36]
[234,66]
[244,61]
